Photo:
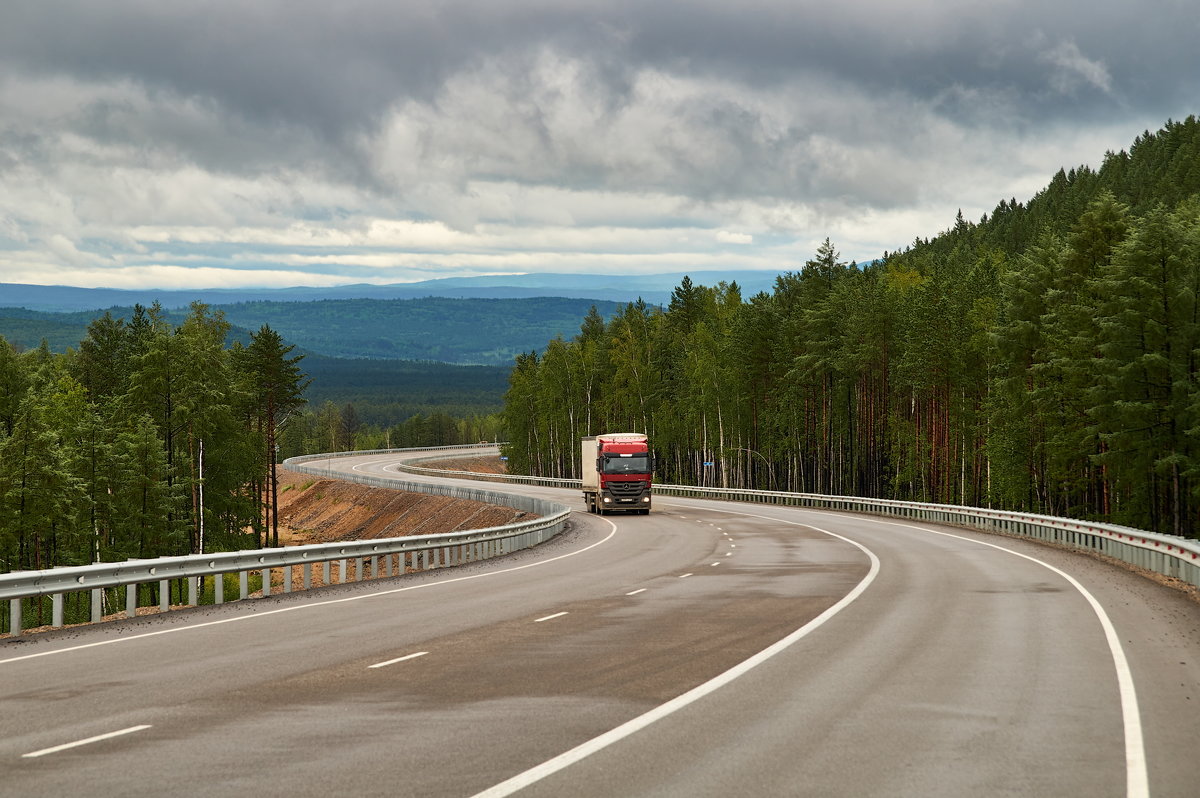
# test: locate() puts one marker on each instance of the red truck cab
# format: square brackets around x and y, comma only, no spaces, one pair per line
[617,472]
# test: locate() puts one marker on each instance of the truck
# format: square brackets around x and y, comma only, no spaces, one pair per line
[617,473]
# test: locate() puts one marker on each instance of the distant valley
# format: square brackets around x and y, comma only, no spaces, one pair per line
[438,346]
[462,331]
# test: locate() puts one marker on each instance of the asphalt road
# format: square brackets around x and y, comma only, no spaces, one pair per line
[709,649]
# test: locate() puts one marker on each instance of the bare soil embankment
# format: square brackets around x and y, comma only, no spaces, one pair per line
[314,509]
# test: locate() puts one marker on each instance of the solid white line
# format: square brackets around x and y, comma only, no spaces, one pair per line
[88,741]
[1137,780]
[1137,783]
[308,605]
[398,659]
[564,760]
[551,617]
[639,590]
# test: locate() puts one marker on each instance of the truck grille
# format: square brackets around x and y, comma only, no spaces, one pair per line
[626,490]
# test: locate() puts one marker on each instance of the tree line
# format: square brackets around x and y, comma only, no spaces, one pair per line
[342,428]
[1042,359]
[151,439]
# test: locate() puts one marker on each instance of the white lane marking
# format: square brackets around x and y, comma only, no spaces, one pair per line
[405,658]
[88,741]
[551,617]
[716,563]
[1137,780]
[639,590]
[729,554]
[685,576]
[1137,783]
[580,752]
[312,604]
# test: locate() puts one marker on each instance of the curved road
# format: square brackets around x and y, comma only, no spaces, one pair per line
[707,649]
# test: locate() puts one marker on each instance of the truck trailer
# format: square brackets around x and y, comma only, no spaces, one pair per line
[617,473]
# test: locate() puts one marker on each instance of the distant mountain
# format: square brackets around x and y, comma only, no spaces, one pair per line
[465,331]
[653,288]
[488,332]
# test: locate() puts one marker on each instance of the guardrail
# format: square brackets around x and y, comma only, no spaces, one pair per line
[386,556]
[1167,555]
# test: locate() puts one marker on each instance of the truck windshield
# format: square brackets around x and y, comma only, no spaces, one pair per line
[634,464]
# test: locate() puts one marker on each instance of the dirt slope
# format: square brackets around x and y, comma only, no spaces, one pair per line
[313,509]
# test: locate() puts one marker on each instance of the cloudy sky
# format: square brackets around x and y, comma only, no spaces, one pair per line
[286,142]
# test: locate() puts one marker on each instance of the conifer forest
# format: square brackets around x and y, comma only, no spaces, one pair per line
[149,440]
[1043,358]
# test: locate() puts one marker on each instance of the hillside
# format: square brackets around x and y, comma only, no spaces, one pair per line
[383,391]
[463,331]
[1042,359]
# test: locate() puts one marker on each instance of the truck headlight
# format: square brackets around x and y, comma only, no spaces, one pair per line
[607,499]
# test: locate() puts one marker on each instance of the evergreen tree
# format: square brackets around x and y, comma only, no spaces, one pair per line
[276,389]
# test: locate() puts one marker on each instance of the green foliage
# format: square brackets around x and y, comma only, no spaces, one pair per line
[150,440]
[467,331]
[1043,359]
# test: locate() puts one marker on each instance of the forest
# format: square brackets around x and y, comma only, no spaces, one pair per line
[152,438]
[466,331]
[1043,358]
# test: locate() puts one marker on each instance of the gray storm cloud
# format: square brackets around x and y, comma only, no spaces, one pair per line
[278,113]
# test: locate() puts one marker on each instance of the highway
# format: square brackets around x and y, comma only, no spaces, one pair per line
[710,648]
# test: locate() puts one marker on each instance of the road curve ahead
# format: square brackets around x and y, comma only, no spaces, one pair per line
[707,649]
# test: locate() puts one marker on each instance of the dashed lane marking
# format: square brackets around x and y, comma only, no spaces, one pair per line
[88,741]
[398,659]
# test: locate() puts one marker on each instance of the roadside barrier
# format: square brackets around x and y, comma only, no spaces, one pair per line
[369,558]
[1167,555]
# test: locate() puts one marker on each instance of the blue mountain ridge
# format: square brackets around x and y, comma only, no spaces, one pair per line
[653,288]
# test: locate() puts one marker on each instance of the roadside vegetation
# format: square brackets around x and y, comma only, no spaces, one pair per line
[148,440]
[1043,359]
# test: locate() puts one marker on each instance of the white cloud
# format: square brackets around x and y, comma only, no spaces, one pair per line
[502,137]
[1073,68]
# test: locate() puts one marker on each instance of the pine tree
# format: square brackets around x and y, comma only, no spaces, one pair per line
[276,388]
